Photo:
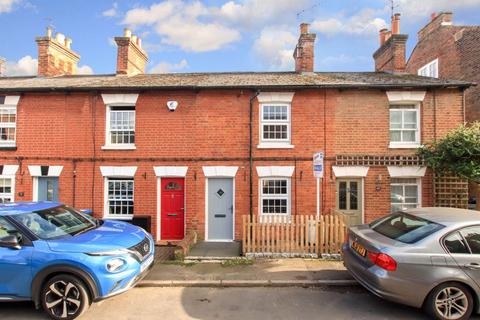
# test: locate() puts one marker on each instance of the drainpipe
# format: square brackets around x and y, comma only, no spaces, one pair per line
[250,151]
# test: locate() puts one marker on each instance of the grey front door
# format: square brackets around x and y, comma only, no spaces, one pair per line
[47,188]
[220,209]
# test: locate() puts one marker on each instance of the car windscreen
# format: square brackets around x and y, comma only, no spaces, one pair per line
[55,223]
[404,227]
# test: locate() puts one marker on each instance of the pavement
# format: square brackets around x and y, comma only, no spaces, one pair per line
[234,303]
[248,273]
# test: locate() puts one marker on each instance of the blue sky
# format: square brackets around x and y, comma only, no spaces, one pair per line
[214,35]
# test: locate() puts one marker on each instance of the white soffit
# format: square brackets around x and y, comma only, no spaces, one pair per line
[170,171]
[271,97]
[354,171]
[118,172]
[120,98]
[11,100]
[220,171]
[9,170]
[406,96]
[275,171]
[406,172]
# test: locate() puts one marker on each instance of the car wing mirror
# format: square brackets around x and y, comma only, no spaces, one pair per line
[10,242]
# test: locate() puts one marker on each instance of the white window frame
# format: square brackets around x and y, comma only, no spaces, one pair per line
[106,206]
[13,109]
[12,188]
[108,132]
[405,107]
[287,122]
[418,183]
[261,197]
[426,70]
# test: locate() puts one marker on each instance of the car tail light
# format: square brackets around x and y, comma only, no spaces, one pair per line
[383,260]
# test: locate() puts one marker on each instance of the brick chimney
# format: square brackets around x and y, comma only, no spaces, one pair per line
[304,51]
[131,58]
[437,20]
[55,56]
[391,56]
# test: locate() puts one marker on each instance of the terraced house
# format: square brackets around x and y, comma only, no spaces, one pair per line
[195,152]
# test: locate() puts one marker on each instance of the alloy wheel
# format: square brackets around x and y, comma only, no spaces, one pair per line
[451,303]
[63,299]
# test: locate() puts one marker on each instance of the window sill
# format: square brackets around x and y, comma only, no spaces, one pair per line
[111,217]
[404,146]
[8,147]
[275,146]
[119,147]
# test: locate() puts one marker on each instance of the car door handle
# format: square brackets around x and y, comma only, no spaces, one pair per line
[473,266]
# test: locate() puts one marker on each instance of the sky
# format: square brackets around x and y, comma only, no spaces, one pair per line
[215,35]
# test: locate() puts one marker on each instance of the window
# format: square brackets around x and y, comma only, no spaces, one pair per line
[6,189]
[275,123]
[275,196]
[7,229]
[8,118]
[472,236]
[404,126]
[121,126]
[120,197]
[455,243]
[404,227]
[429,70]
[404,193]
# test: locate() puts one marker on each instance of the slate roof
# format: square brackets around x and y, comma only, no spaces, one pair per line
[240,80]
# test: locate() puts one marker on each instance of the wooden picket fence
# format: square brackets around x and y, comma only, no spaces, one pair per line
[298,235]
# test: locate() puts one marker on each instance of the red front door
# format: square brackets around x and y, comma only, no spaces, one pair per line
[172,209]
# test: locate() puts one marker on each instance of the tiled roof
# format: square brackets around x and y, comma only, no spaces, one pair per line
[260,80]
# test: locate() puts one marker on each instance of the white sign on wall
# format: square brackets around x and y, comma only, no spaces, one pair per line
[318,164]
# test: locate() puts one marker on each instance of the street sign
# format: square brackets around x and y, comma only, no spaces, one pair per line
[318,164]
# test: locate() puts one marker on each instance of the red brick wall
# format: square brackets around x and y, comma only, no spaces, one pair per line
[210,128]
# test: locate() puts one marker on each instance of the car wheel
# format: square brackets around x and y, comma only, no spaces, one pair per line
[450,301]
[65,297]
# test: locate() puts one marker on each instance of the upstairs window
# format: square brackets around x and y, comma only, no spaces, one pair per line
[8,124]
[122,126]
[275,123]
[429,70]
[404,126]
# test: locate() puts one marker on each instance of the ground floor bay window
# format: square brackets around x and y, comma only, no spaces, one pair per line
[404,193]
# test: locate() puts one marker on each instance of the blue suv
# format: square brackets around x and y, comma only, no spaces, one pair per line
[64,260]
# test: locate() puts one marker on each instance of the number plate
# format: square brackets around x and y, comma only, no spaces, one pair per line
[359,248]
[146,263]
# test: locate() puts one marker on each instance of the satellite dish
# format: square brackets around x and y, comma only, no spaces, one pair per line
[172,105]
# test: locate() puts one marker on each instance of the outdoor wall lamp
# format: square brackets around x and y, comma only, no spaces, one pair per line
[378,183]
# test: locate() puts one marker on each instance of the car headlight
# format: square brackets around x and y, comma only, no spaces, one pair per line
[115,264]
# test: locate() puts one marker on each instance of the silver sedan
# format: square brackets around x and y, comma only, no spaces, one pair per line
[425,257]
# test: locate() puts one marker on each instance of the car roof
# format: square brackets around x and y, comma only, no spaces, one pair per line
[446,216]
[7,209]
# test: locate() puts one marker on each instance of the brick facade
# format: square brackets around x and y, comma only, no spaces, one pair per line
[457,49]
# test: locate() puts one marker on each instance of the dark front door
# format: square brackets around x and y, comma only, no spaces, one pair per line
[47,188]
[172,209]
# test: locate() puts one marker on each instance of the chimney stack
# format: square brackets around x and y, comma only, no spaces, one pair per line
[131,58]
[438,20]
[304,51]
[391,56]
[55,56]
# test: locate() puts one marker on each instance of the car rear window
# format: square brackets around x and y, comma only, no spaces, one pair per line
[404,227]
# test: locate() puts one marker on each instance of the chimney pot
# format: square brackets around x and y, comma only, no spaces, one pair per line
[304,28]
[49,32]
[396,23]
[134,38]
[433,15]
[139,42]
[68,42]
[127,33]
[60,38]
[383,33]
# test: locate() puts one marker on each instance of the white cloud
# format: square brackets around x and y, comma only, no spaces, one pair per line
[417,9]
[85,69]
[166,67]
[184,25]
[112,12]
[275,48]
[7,5]
[26,66]
[363,23]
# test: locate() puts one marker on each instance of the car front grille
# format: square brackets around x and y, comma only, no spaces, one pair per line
[142,249]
